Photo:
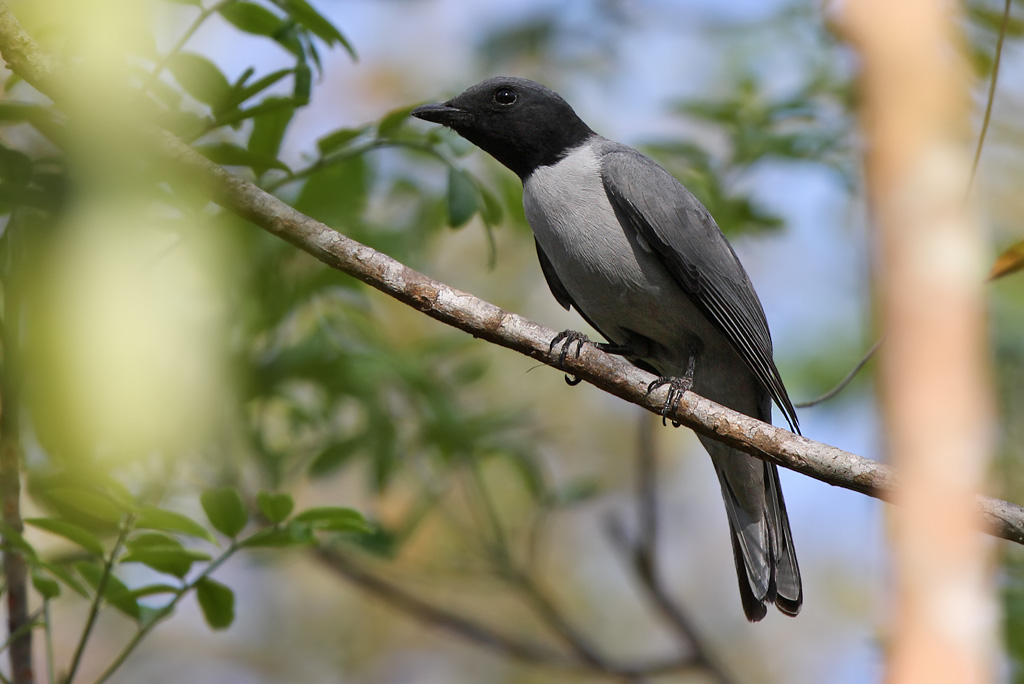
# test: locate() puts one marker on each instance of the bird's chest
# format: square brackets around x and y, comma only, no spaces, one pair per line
[611,274]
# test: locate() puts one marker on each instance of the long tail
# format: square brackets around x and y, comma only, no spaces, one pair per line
[762,542]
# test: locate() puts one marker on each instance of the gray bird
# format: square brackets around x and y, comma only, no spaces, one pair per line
[633,251]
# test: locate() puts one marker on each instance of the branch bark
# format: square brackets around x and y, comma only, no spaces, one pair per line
[15,569]
[481,319]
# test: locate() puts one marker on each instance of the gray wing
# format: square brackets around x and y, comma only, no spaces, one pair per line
[693,250]
[561,294]
[563,297]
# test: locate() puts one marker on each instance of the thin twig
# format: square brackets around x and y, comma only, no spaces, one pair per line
[991,96]
[426,612]
[845,381]
[552,615]
[524,650]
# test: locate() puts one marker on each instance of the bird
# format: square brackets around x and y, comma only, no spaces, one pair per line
[626,245]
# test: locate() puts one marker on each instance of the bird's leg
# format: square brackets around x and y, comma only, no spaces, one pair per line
[567,338]
[677,387]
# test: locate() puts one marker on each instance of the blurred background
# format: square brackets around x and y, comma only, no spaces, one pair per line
[164,347]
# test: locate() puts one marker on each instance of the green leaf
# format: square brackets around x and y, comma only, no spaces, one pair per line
[200,78]
[225,510]
[23,112]
[13,539]
[269,128]
[275,507]
[577,491]
[491,211]
[252,18]
[269,105]
[170,559]
[333,457]
[283,535]
[91,503]
[87,540]
[229,154]
[393,120]
[334,519]
[153,518]
[64,575]
[196,3]
[258,86]
[217,602]
[338,139]
[462,194]
[46,586]
[304,13]
[337,193]
[303,84]
[154,589]
[115,592]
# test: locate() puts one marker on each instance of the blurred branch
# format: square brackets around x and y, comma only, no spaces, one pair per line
[519,649]
[553,617]
[14,566]
[933,378]
[641,554]
[486,321]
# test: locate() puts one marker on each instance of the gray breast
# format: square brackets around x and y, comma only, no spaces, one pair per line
[610,272]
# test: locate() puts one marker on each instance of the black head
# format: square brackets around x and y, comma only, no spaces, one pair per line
[519,122]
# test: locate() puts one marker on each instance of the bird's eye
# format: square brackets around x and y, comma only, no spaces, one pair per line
[505,96]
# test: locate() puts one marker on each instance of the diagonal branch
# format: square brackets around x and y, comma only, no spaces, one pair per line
[513,647]
[484,320]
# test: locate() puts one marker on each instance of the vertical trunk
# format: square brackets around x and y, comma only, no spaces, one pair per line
[929,303]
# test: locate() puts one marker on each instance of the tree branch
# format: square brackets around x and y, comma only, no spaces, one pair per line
[483,635]
[15,569]
[486,321]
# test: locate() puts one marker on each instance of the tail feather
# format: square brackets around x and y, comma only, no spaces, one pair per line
[790,593]
[762,542]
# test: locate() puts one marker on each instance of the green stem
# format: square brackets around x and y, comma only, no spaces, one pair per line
[48,631]
[101,587]
[991,95]
[163,614]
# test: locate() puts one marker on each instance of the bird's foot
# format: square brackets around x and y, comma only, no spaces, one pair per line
[567,338]
[677,387]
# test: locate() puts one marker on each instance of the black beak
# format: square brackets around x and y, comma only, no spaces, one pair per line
[440,113]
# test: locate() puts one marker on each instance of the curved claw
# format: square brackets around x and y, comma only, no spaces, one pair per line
[677,387]
[567,338]
[572,380]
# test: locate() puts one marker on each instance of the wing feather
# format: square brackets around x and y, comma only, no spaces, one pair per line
[693,250]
